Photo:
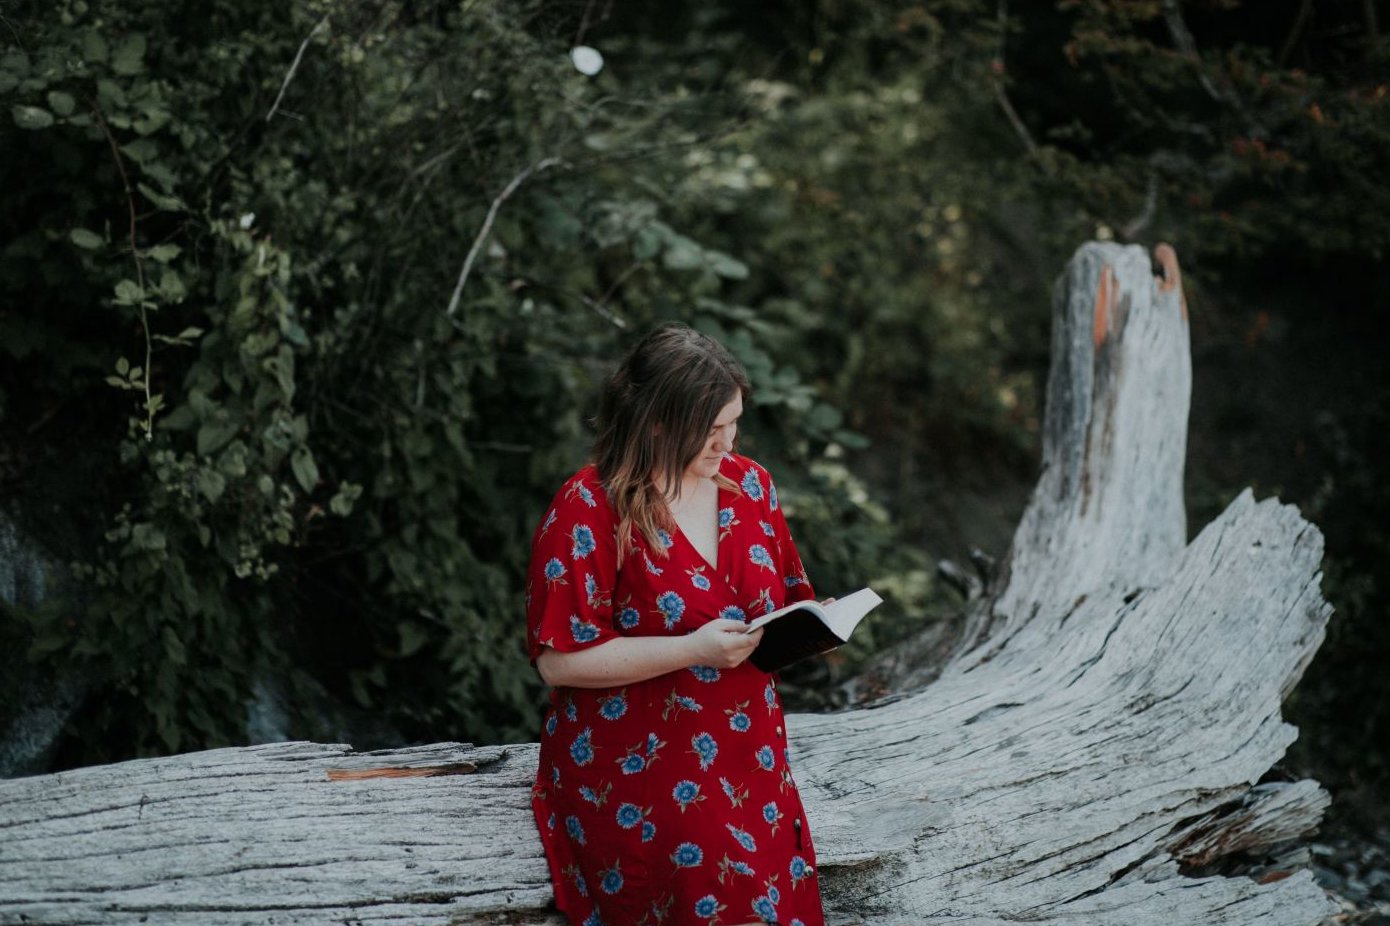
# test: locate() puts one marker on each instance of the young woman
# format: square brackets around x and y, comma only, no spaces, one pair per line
[664,793]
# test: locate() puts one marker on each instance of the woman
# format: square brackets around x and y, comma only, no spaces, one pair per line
[663,793]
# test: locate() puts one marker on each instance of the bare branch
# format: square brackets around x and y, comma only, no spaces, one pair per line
[1000,94]
[1140,222]
[294,67]
[502,197]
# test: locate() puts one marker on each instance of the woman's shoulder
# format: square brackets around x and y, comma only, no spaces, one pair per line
[583,489]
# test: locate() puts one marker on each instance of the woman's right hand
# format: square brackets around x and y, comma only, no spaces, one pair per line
[723,644]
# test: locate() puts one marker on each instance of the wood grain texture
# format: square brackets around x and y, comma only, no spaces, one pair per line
[1091,751]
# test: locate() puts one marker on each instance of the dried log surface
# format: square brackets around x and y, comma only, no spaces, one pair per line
[1090,754]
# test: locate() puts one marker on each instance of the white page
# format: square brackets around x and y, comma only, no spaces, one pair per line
[842,615]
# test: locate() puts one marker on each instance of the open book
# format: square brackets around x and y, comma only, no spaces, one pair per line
[808,628]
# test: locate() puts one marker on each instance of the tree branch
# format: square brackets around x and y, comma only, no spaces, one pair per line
[502,197]
[294,67]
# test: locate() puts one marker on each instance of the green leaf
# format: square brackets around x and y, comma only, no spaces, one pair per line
[140,150]
[413,637]
[211,483]
[94,46]
[341,503]
[164,252]
[31,117]
[61,103]
[306,471]
[167,203]
[83,238]
[173,646]
[213,435]
[128,292]
[122,366]
[128,59]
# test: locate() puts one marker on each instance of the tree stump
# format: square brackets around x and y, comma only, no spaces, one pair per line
[1091,753]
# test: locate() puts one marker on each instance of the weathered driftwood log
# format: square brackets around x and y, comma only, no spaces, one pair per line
[1091,753]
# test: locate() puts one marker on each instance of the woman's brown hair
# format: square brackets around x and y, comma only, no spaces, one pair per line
[654,417]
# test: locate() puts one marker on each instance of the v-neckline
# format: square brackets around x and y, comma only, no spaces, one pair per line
[718,498]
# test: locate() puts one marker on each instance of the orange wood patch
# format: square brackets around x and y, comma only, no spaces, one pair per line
[1105,305]
[1172,275]
[428,771]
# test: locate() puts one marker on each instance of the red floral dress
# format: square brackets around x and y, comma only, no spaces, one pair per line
[669,800]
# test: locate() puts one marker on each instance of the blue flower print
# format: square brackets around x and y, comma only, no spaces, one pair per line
[728,867]
[584,494]
[752,485]
[763,601]
[760,557]
[765,760]
[733,613]
[665,538]
[672,606]
[770,697]
[549,520]
[632,763]
[612,880]
[591,589]
[772,496]
[570,712]
[739,722]
[653,744]
[552,721]
[764,908]
[628,618]
[575,829]
[685,793]
[554,572]
[697,578]
[628,816]
[613,707]
[652,567]
[705,673]
[593,919]
[726,518]
[793,581]
[648,831]
[773,894]
[742,837]
[582,631]
[597,798]
[550,823]
[704,746]
[580,751]
[799,869]
[736,796]
[676,702]
[796,921]
[771,814]
[708,907]
[687,855]
[767,529]
[555,775]
[574,874]
[583,541]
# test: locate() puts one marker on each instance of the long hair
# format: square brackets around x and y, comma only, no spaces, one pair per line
[654,417]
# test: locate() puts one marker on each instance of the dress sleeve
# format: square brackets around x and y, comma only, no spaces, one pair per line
[798,586]
[574,568]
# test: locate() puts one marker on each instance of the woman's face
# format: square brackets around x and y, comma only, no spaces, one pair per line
[719,442]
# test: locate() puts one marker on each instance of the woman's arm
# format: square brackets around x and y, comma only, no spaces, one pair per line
[625,660]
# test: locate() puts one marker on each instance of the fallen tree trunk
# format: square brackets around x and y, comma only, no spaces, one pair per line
[1091,752]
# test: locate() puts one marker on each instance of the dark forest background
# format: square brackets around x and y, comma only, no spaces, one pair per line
[287,467]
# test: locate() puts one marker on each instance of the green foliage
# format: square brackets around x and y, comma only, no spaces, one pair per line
[294,459]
